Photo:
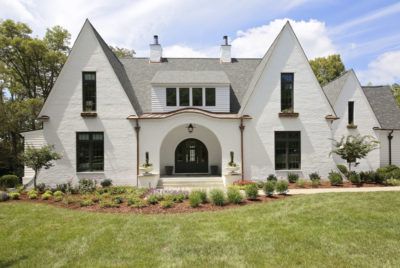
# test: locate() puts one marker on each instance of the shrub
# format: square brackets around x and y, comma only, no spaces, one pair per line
[335,178]
[269,187]
[58,198]
[14,195]
[392,182]
[3,196]
[354,177]
[87,186]
[106,183]
[202,194]
[9,181]
[108,204]
[153,199]
[167,203]
[62,187]
[118,200]
[68,199]
[315,176]
[251,191]
[343,169]
[234,196]
[47,195]
[32,194]
[58,194]
[118,190]
[137,203]
[178,197]
[217,197]
[41,187]
[86,203]
[272,177]
[301,183]
[292,177]
[195,199]
[260,184]
[315,183]
[282,187]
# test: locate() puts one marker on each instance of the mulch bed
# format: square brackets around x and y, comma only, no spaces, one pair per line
[327,184]
[152,209]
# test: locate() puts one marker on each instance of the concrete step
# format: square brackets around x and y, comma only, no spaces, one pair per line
[189,183]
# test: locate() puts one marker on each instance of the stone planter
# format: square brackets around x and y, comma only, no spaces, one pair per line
[146,169]
[148,180]
[230,178]
[233,169]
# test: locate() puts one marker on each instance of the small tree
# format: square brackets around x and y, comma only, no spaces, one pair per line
[38,158]
[351,148]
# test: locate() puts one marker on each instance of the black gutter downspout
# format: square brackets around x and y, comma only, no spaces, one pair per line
[390,137]
[137,129]
[241,127]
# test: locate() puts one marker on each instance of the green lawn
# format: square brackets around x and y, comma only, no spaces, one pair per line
[330,230]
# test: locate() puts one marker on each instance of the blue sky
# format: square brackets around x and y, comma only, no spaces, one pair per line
[365,33]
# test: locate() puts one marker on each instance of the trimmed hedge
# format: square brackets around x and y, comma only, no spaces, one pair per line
[9,181]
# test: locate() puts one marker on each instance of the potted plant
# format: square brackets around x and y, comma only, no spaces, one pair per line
[232,166]
[147,167]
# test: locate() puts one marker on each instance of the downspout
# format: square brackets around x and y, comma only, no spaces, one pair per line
[137,129]
[390,137]
[241,127]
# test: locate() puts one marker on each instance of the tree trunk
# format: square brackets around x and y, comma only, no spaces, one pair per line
[34,179]
[349,167]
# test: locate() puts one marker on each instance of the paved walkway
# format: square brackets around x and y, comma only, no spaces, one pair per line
[343,190]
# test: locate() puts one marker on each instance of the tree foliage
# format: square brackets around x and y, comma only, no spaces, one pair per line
[38,158]
[351,148]
[328,68]
[29,67]
[396,92]
[121,52]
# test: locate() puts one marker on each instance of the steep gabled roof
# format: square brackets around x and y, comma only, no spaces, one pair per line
[332,89]
[119,70]
[384,106]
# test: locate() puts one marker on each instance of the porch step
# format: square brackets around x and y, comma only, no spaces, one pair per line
[188,183]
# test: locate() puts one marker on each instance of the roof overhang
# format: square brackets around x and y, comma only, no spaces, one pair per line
[163,115]
[43,118]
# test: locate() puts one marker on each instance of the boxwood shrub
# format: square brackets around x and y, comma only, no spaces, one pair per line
[282,187]
[9,181]
[234,196]
[269,188]
[292,177]
[251,191]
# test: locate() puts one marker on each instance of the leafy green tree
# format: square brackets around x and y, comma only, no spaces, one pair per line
[351,148]
[328,68]
[396,92]
[38,158]
[121,52]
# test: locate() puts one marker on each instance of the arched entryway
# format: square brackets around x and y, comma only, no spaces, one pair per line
[191,156]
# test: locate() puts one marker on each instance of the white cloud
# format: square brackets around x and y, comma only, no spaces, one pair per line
[312,34]
[182,51]
[385,69]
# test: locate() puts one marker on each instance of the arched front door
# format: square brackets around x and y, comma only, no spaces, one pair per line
[191,156]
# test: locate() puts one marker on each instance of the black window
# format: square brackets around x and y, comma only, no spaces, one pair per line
[210,96]
[89,151]
[287,80]
[351,112]
[184,97]
[287,150]
[197,96]
[171,96]
[89,91]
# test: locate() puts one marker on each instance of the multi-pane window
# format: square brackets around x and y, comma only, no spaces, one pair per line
[287,150]
[197,96]
[184,97]
[351,112]
[287,80]
[210,96]
[171,96]
[89,151]
[89,91]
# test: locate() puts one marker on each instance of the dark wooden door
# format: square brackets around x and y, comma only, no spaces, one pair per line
[191,156]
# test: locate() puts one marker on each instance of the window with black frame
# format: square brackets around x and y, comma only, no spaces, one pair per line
[89,151]
[171,96]
[89,91]
[287,81]
[287,150]
[210,96]
[184,97]
[351,112]
[197,96]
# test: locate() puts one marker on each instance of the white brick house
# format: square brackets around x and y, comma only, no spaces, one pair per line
[105,113]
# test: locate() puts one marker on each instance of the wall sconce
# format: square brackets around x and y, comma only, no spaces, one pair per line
[190,128]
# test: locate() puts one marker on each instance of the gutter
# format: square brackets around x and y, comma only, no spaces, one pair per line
[241,127]
[390,137]
[137,130]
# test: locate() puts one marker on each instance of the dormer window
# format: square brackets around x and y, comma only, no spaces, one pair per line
[196,96]
[184,98]
[89,91]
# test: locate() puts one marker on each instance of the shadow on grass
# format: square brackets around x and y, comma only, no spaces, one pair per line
[12,262]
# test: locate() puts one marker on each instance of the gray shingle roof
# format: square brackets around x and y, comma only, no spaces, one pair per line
[190,77]
[384,106]
[332,89]
[141,73]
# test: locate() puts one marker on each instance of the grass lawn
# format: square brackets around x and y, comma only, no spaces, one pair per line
[329,230]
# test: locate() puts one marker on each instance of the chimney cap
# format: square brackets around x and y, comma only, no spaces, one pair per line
[155,39]
[225,37]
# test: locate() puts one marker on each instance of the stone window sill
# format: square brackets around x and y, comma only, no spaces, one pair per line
[351,126]
[88,114]
[288,114]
